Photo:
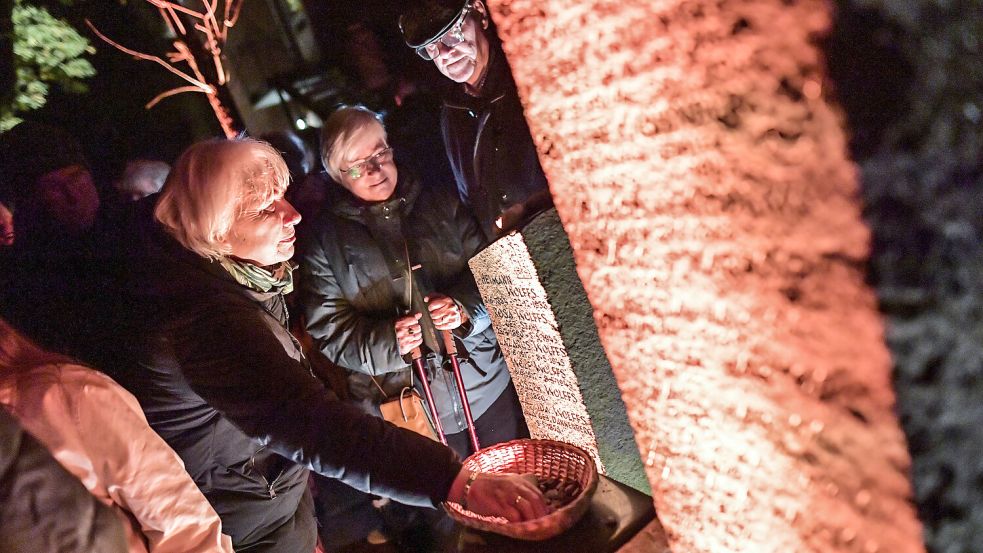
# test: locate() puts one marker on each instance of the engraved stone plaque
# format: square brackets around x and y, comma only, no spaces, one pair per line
[544,324]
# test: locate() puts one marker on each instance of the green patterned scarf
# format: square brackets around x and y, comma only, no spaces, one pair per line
[280,279]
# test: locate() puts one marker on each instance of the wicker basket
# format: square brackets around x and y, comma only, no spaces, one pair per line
[545,459]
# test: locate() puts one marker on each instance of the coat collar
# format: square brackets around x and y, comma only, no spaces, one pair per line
[497,82]
[345,204]
[184,272]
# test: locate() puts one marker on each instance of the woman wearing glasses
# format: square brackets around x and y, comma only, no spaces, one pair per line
[380,223]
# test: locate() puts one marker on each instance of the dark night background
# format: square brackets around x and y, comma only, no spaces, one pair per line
[113,124]
[110,120]
[909,76]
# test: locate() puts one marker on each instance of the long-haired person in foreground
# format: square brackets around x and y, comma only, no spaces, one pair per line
[228,387]
[96,430]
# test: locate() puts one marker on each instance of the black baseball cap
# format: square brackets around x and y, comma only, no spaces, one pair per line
[424,21]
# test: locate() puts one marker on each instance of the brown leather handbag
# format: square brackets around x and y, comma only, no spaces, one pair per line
[407,411]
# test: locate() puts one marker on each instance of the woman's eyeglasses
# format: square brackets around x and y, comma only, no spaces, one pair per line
[376,160]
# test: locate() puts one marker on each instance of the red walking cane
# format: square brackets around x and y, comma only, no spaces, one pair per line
[416,302]
[421,372]
[451,349]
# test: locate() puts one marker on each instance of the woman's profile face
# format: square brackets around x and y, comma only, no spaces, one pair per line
[265,234]
[376,172]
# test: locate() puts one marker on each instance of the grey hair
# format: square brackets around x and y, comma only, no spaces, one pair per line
[142,177]
[340,130]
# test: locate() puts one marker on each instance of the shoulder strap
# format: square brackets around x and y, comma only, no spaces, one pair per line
[383,392]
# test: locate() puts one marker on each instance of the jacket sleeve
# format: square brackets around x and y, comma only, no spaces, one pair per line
[353,339]
[454,154]
[143,474]
[463,287]
[237,364]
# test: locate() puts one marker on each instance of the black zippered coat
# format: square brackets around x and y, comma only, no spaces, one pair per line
[490,148]
[226,385]
[351,299]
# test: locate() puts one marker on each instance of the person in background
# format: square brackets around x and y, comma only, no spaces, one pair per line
[7,233]
[54,274]
[225,384]
[393,88]
[43,507]
[97,431]
[485,133]
[141,178]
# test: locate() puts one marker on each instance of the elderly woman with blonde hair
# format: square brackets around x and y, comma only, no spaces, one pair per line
[223,381]
[96,430]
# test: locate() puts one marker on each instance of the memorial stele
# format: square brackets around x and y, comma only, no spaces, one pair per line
[544,324]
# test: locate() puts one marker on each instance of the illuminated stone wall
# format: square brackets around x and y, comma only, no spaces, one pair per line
[703,180]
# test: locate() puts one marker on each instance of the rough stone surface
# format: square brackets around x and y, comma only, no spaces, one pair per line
[704,183]
[910,77]
[543,321]
[550,251]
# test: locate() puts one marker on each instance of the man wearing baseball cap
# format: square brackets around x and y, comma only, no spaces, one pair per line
[486,136]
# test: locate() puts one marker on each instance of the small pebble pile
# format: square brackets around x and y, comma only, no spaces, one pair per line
[558,492]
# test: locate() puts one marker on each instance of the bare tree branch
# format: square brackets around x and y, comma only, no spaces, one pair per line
[213,40]
[176,7]
[205,87]
[172,92]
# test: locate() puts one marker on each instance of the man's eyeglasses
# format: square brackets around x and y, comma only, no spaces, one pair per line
[376,161]
[450,39]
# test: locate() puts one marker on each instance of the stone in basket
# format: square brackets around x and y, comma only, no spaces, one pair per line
[562,469]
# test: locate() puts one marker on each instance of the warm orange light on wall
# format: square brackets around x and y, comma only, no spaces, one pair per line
[703,180]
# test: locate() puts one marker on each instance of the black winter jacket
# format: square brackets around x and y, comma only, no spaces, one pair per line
[227,386]
[490,148]
[352,301]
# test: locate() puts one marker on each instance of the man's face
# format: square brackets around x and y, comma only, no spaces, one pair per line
[466,61]
[69,196]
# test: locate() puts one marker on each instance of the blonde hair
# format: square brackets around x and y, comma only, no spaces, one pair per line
[18,353]
[212,184]
[341,129]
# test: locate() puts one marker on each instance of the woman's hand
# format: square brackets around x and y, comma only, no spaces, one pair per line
[514,497]
[409,335]
[445,312]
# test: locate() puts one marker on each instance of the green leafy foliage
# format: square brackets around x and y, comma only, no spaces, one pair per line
[47,51]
